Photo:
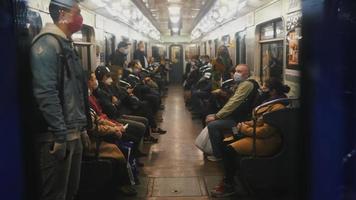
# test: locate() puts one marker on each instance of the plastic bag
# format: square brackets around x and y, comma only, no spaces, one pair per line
[203,142]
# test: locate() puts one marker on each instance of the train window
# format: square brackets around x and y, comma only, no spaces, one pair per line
[279,29]
[158,51]
[272,60]
[204,48]
[109,46]
[82,44]
[272,30]
[191,51]
[82,35]
[34,23]
[134,47]
[216,47]
[271,39]
[240,47]
[210,48]
[155,53]
[267,32]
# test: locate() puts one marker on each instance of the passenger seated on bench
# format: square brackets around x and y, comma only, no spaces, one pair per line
[104,101]
[268,140]
[237,109]
[109,132]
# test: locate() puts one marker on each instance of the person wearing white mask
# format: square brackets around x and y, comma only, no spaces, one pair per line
[112,106]
[237,109]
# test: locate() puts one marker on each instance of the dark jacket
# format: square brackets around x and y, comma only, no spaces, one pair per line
[59,86]
[104,95]
[141,56]
[117,60]
[239,105]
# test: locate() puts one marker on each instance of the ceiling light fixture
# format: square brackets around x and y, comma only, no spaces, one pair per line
[175,29]
[174,10]
[174,19]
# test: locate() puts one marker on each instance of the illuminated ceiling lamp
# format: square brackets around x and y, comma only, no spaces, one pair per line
[175,29]
[174,10]
[174,16]
[174,19]
[174,13]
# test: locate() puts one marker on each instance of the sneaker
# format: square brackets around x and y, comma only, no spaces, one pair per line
[223,190]
[213,158]
[159,130]
[150,139]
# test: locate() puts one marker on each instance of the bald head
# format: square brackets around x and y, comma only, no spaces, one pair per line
[243,69]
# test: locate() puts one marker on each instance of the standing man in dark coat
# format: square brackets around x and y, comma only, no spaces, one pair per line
[61,103]
[141,55]
[119,58]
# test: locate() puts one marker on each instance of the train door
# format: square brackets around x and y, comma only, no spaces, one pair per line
[240,47]
[176,57]
[109,47]
[271,43]
[82,44]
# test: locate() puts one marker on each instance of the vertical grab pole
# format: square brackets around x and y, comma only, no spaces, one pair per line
[254,153]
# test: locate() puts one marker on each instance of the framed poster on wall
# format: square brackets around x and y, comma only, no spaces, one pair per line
[293,40]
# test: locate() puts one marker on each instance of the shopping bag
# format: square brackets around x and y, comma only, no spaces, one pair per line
[203,141]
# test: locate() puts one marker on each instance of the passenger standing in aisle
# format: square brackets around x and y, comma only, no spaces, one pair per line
[61,96]
[141,55]
[119,58]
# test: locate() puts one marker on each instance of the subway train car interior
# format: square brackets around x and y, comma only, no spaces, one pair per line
[178,99]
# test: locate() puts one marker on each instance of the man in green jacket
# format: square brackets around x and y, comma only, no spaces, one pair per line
[235,110]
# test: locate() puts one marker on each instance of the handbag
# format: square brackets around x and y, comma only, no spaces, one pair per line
[203,142]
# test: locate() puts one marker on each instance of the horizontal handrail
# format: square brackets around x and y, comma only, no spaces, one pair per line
[275,101]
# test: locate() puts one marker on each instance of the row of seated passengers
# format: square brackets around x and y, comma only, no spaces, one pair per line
[236,112]
[112,107]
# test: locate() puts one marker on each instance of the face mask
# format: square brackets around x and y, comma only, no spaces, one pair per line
[119,77]
[76,24]
[108,81]
[238,77]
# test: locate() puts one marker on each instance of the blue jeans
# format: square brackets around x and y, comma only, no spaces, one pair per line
[217,129]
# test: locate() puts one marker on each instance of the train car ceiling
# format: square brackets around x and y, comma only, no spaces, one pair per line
[264,34]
